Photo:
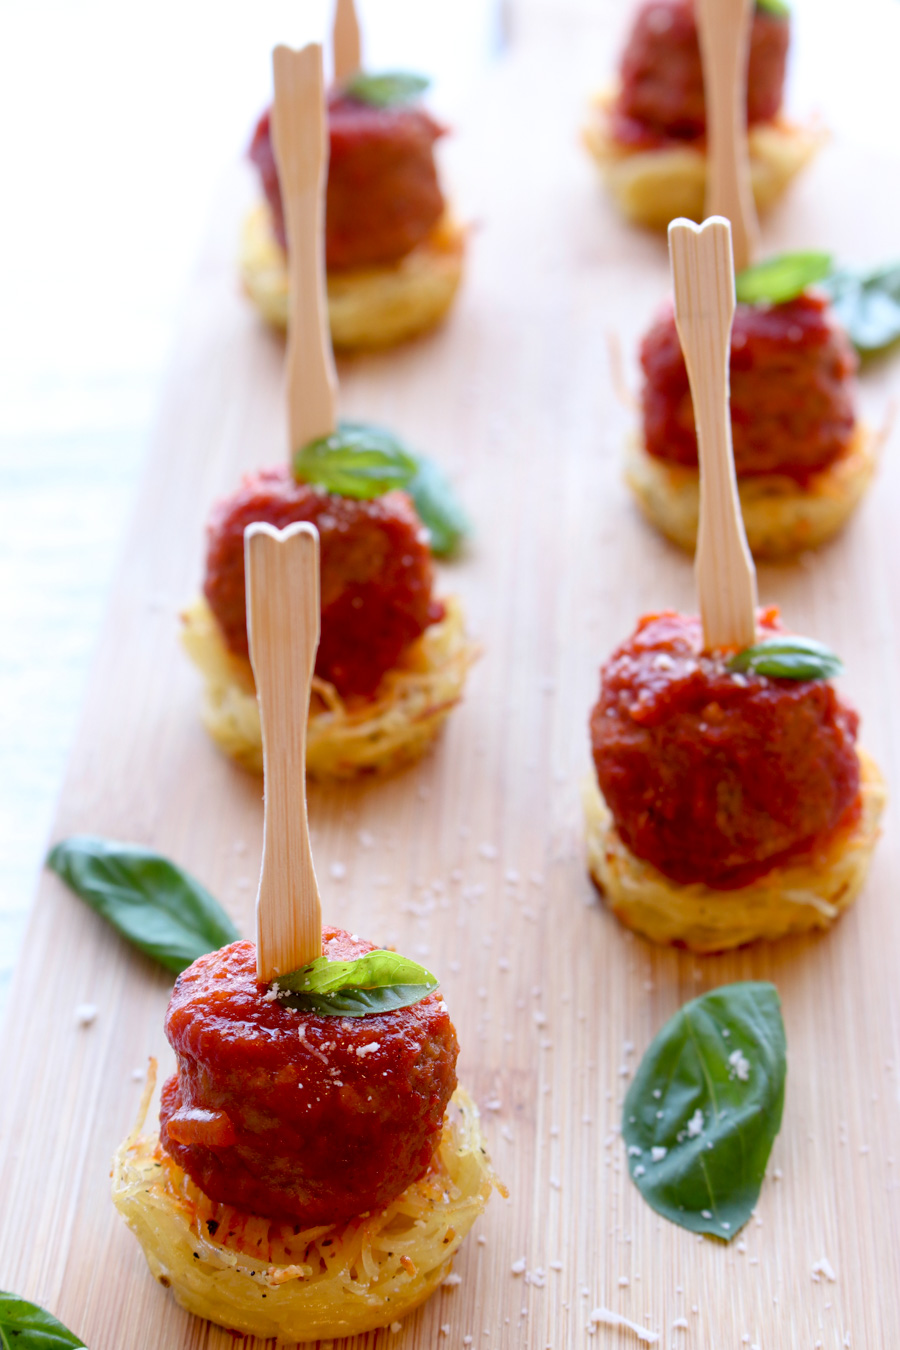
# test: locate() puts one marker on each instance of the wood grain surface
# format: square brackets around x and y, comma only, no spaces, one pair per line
[474,859]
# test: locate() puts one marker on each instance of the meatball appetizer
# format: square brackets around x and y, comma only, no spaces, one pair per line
[394,254]
[802,456]
[648,134]
[393,657]
[731,801]
[314,1174]
[306,1182]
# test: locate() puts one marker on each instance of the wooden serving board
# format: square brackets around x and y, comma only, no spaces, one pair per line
[473,861]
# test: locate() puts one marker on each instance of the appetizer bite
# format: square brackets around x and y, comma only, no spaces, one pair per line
[394,253]
[316,1167]
[802,455]
[731,801]
[648,133]
[393,657]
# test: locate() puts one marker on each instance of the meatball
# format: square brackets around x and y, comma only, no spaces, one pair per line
[383,196]
[375,570]
[712,776]
[793,390]
[661,96]
[296,1116]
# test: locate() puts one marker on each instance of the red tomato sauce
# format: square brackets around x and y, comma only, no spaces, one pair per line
[718,777]
[661,96]
[793,390]
[296,1116]
[375,569]
[383,195]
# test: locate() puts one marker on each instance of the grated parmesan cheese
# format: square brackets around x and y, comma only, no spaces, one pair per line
[604,1317]
[740,1065]
[824,1267]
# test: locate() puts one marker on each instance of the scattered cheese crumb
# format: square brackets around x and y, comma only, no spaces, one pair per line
[658,1153]
[605,1318]
[363,1050]
[488,852]
[338,871]
[396,1326]
[86,1013]
[824,1267]
[518,1267]
[695,1124]
[452,1280]
[445,1328]
[740,1065]
[681,1324]
[623,1281]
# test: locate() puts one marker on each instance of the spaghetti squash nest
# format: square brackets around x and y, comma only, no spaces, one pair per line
[652,187]
[343,740]
[781,518]
[367,306]
[807,893]
[261,1277]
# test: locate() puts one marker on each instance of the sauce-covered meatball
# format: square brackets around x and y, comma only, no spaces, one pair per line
[375,570]
[661,94]
[297,1116]
[383,196]
[714,776]
[793,390]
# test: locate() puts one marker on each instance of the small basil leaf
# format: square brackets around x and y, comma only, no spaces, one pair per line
[378,982]
[439,509]
[357,460]
[867,304]
[363,461]
[358,1002]
[776,7]
[387,90]
[704,1108]
[158,907]
[25,1326]
[788,658]
[780,279]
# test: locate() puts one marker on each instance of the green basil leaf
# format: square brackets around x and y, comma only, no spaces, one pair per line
[357,460]
[776,7]
[780,279]
[154,904]
[788,658]
[387,90]
[439,509]
[25,1326]
[704,1108]
[867,304]
[364,461]
[378,982]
